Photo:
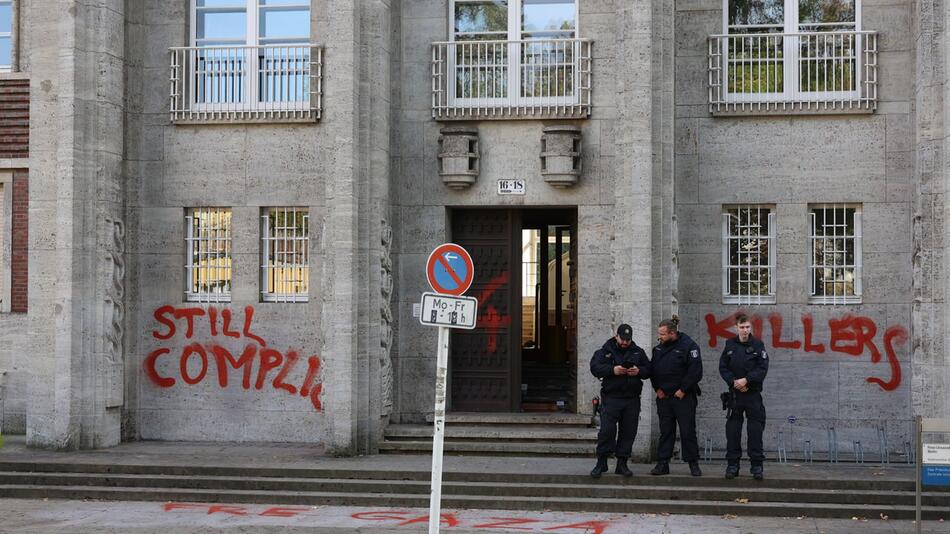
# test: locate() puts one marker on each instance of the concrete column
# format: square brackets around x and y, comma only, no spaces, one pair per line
[357,97]
[77,282]
[930,362]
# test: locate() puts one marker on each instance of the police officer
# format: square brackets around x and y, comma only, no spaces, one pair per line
[677,370]
[622,366]
[743,365]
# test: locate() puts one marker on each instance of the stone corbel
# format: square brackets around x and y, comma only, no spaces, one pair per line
[458,156]
[561,155]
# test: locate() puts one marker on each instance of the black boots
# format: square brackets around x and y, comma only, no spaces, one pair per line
[601,466]
[732,471]
[662,468]
[695,470]
[757,472]
[622,468]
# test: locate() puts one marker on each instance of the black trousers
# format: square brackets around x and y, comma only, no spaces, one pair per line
[749,406]
[618,413]
[673,412]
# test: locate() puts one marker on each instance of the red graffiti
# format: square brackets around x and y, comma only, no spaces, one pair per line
[453,520]
[276,511]
[849,334]
[197,359]
[490,318]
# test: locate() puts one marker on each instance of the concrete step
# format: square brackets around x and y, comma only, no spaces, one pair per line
[712,479]
[490,448]
[518,418]
[576,504]
[550,434]
[652,487]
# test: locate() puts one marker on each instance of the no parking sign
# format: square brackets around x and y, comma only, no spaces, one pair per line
[449,269]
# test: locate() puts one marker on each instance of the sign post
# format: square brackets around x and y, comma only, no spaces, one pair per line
[450,271]
[933,459]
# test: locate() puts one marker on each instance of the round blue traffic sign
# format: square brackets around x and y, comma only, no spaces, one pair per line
[449,269]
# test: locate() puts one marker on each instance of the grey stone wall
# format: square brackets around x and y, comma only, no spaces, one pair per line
[790,162]
[615,197]
[931,376]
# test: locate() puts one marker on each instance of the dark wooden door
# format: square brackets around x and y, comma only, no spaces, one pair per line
[485,362]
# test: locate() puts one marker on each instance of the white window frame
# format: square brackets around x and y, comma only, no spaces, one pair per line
[791,59]
[728,268]
[514,62]
[292,242]
[10,67]
[204,244]
[251,38]
[857,265]
[6,239]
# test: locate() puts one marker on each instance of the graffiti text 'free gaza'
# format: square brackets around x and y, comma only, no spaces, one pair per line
[218,323]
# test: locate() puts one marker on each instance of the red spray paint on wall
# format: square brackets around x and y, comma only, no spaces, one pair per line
[214,361]
[852,335]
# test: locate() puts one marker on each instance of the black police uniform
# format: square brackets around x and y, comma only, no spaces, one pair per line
[620,396]
[747,360]
[677,365]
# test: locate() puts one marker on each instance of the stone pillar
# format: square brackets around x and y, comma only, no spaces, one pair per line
[77,276]
[929,362]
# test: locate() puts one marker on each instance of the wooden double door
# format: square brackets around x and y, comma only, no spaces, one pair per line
[522,354]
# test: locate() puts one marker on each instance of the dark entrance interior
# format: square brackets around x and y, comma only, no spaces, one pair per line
[522,355]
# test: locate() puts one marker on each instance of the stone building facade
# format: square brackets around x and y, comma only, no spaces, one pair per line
[230,205]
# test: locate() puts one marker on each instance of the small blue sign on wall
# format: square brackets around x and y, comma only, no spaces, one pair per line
[935,475]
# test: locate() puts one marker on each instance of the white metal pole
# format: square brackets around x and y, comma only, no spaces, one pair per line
[441,370]
[918,427]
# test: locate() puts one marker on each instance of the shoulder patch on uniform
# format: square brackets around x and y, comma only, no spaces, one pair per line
[765,355]
[729,353]
[694,353]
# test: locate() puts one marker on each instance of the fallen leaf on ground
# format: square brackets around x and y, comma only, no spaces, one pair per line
[729,516]
[884,516]
[665,514]
[742,500]
[802,517]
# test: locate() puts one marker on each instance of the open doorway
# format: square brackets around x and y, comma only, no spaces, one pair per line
[522,355]
[548,313]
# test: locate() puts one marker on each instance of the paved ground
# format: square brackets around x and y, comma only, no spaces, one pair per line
[35,517]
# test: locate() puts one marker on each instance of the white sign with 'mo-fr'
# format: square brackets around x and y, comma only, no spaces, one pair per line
[936,453]
[448,310]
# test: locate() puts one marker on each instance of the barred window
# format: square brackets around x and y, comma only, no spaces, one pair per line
[208,245]
[835,253]
[748,255]
[285,254]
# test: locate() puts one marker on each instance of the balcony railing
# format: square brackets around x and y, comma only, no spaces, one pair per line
[537,78]
[272,83]
[833,71]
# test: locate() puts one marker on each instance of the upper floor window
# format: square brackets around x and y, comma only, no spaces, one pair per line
[6,35]
[246,56]
[793,51]
[505,53]
[285,254]
[208,255]
[835,253]
[748,255]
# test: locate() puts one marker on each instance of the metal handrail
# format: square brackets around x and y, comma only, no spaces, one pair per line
[530,78]
[248,83]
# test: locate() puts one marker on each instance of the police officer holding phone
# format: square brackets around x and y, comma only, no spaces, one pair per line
[743,365]
[622,366]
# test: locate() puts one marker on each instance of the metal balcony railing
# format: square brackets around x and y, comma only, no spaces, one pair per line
[830,71]
[536,78]
[268,83]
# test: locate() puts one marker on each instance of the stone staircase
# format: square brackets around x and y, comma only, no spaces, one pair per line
[510,434]
[817,495]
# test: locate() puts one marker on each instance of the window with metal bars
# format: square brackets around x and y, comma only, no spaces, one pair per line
[285,254]
[748,255]
[208,264]
[835,253]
